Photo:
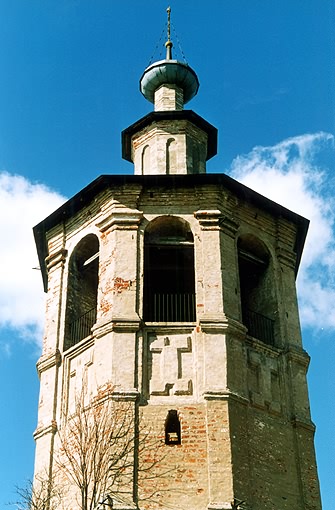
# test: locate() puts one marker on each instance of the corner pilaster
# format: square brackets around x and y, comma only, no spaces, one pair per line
[209,221]
[118,319]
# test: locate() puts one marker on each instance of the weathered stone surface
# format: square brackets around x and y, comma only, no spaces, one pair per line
[243,405]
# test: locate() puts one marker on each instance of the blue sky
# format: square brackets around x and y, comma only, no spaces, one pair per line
[69,85]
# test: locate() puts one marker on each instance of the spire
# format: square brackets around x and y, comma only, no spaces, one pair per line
[169,84]
[168,43]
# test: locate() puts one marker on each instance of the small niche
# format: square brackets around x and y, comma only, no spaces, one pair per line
[172,428]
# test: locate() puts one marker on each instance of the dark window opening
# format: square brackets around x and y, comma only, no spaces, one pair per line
[172,428]
[81,305]
[169,282]
[257,289]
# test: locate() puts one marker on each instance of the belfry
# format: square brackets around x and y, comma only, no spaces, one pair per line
[171,294]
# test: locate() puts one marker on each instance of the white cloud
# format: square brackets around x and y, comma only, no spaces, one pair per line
[289,174]
[23,204]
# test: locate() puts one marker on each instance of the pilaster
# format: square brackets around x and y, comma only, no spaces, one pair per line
[297,361]
[229,262]
[118,319]
[290,325]
[44,438]
[47,367]
[209,221]
[55,264]
[119,264]
[220,473]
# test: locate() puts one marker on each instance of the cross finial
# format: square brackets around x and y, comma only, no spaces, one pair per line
[168,10]
[168,43]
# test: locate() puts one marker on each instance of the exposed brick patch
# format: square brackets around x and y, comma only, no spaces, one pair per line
[120,284]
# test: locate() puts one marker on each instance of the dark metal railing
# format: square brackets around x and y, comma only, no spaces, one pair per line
[172,308]
[81,327]
[259,326]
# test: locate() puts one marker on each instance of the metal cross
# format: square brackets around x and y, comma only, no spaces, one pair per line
[168,10]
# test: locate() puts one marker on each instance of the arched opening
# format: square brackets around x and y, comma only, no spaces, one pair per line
[256,288]
[172,428]
[146,160]
[171,156]
[82,291]
[169,282]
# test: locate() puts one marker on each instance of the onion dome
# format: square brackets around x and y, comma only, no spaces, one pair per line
[171,72]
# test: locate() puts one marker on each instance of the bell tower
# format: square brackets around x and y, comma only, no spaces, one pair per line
[176,288]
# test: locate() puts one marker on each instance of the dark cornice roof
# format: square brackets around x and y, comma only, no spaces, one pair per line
[152,117]
[87,194]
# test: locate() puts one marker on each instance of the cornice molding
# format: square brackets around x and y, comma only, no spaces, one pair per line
[48,361]
[209,219]
[48,429]
[210,323]
[299,356]
[236,328]
[226,395]
[114,323]
[216,323]
[286,257]
[169,327]
[130,395]
[229,226]
[262,347]
[56,258]
[301,423]
[78,348]
[120,217]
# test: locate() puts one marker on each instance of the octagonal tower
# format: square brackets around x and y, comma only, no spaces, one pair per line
[176,289]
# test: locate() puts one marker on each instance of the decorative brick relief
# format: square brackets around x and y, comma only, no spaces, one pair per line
[264,381]
[254,378]
[170,365]
[80,375]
